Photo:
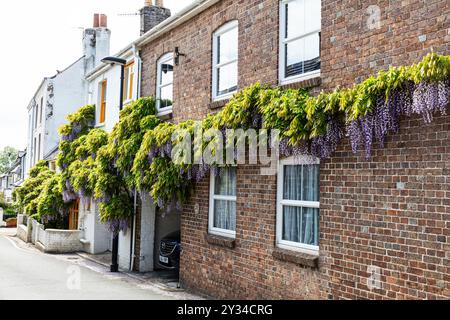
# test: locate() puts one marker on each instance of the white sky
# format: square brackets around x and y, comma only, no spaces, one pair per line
[41,36]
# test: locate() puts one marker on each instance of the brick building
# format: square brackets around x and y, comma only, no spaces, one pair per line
[384,227]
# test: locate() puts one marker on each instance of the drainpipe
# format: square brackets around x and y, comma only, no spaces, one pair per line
[133,240]
[138,60]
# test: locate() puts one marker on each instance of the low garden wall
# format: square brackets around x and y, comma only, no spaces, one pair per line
[49,240]
[60,241]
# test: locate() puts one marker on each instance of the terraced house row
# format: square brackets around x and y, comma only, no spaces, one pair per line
[341,228]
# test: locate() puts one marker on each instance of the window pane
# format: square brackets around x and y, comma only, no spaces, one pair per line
[166,72]
[312,15]
[303,55]
[311,183]
[292,189]
[166,97]
[227,44]
[295,18]
[302,17]
[227,79]
[301,225]
[125,83]
[292,223]
[225,184]
[310,226]
[312,53]
[225,215]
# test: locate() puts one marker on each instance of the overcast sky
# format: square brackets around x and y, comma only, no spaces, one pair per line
[40,37]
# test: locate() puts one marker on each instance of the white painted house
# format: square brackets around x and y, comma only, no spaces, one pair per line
[62,94]
[104,85]
[56,98]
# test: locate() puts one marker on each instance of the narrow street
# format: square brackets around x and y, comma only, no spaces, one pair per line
[26,273]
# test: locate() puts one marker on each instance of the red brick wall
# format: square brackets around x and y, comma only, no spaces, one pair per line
[367,219]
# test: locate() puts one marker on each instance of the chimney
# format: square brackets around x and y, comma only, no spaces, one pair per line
[96,41]
[153,14]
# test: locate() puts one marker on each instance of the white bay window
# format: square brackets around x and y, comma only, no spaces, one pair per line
[298,205]
[300,25]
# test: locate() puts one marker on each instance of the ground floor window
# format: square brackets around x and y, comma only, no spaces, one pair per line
[222,207]
[298,205]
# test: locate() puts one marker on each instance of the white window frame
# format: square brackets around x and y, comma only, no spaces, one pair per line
[284,244]
[130,81]
[212,196]
[163,111]
[216,66]
[282,49]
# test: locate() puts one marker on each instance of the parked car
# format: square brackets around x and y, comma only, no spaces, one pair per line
[169,251]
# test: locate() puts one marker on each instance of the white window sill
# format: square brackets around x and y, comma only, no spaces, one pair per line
[100,125]
[223,233]
[294,247]
[162,113]
[224,97]
[303,77]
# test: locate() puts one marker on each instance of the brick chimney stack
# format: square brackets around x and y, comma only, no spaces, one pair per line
[96,41]
[153,14]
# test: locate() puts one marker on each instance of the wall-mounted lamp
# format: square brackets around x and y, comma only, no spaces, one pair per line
[178,55]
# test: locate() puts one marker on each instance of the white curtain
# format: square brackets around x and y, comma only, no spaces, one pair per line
[225,210]
[300,224]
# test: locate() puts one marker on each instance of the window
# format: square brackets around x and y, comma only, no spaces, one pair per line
[34,151]
[300,24]
[164,85]
[36,113]
[103,88]
[39,148]
[298,205]
[128,82]
[42,107]
[222,203]
[52,165]
[225,61]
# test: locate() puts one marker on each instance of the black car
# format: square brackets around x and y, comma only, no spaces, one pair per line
[169,251]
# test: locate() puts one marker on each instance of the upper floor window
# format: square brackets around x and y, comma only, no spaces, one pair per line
[298,205]
[222,203]
[41,111]
[300,25]
[225,61]
[103,93]
[128,82]
[164,84]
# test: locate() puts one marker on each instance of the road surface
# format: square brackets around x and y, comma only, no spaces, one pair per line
[26,273]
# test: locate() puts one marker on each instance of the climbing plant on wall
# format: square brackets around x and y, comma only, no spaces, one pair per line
[367,112]
[28,195]
[114,179]
[137,155]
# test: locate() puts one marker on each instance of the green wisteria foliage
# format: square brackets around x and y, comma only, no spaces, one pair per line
[137,155]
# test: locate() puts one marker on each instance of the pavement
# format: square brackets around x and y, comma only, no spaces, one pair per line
[26,273]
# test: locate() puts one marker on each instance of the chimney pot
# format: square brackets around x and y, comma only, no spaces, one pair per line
[103,21]
[96,20]
[158,3]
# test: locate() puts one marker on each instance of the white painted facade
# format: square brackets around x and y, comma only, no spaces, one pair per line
[95,236]
[61,95]
[110,74]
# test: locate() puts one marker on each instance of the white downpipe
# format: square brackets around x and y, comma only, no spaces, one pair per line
[133,239]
